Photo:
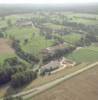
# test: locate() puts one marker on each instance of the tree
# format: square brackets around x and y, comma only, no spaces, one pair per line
[22,78]
[12,61]
[7,72]
[22,54]
[5,76]
[91,37]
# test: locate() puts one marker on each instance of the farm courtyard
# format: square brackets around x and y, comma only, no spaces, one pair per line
[81,87]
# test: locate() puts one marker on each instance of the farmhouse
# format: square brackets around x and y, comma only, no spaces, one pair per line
[56,65]
[24,23]
[53,65]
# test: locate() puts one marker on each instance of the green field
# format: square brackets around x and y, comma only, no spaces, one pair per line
[85,55]
[21,33]
[36,44]
[53,26]
[72,37]
[82,18]
[5,56]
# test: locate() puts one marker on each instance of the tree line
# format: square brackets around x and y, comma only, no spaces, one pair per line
[57,53]
[26,56]
[18,76]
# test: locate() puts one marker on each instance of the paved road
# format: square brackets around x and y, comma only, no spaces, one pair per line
[35,91]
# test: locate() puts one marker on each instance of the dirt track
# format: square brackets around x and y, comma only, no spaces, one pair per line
[80,87]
